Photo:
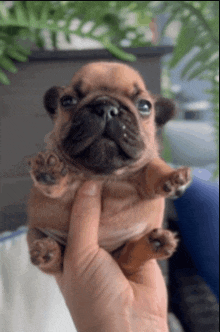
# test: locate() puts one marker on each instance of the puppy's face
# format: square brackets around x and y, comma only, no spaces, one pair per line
[105,121]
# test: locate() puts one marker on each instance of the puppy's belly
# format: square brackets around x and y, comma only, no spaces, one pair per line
[117,226]
[131,224]
[116,238]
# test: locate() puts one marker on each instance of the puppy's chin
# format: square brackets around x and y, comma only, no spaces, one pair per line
[104,156]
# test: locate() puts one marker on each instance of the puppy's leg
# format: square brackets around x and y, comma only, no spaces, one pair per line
[158,244]
[166,181]
[45,252]
[49,174]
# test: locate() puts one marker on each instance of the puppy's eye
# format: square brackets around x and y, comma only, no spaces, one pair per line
[144,106]
[68,101]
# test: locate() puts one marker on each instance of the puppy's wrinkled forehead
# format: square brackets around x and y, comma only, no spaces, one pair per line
[109,77]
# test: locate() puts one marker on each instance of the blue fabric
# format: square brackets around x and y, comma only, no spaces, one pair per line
[11,235]
[198,214]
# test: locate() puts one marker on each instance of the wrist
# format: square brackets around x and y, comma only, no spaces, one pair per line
[152,325]
[109,326]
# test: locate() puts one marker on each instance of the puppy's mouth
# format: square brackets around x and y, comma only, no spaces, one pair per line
[102,141]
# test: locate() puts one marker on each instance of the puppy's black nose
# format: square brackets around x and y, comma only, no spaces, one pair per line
[108,111]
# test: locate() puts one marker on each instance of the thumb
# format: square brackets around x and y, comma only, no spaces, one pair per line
[85,217]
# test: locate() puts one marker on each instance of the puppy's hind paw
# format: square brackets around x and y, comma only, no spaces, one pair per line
[163,242]
[46,254]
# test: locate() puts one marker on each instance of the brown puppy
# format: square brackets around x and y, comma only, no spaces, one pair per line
[105,125]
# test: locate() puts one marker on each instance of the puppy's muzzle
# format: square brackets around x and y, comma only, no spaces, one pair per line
[104,136]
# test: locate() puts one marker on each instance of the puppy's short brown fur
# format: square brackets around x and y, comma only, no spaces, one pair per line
[105,128]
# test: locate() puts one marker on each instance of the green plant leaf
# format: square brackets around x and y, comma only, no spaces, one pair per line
[44,12]
[202,69]
[7,64]
[54,39]
[143,19]
[68,22]
[67,36]
[14,54]
[38,7]
[166,152]
[20,12]
[213,65]
[92,8]
[117,51]
[203,4]
[39,39]
[31,13]
[2,47]
[4,12]
[23,50]
[184,44]
[201,57]
[4,79]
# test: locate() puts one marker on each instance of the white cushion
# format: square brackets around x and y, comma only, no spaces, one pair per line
[30,301]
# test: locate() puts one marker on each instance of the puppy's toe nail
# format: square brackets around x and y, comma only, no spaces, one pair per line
[179,192]
[168,252]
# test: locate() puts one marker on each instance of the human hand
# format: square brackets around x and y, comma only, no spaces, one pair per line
[99,296]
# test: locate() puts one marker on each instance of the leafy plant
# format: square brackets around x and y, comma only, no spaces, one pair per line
[104,21]
[200,31]
[107,22]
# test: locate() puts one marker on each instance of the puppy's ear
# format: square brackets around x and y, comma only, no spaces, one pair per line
[51,100]
[165,110]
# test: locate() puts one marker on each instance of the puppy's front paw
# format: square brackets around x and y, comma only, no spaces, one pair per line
[49,173]
[163,242]
[175,184]
[46,254]
[47,168]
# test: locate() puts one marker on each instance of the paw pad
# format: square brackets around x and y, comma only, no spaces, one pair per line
[46,178]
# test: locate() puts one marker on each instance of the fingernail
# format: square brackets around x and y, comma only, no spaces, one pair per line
[90,188]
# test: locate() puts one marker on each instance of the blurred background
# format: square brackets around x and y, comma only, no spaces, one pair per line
[173,44]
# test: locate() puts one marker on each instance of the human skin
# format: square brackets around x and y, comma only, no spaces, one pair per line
[98,295]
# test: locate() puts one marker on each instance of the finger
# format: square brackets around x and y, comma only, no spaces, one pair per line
[156,287]
[85,217]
